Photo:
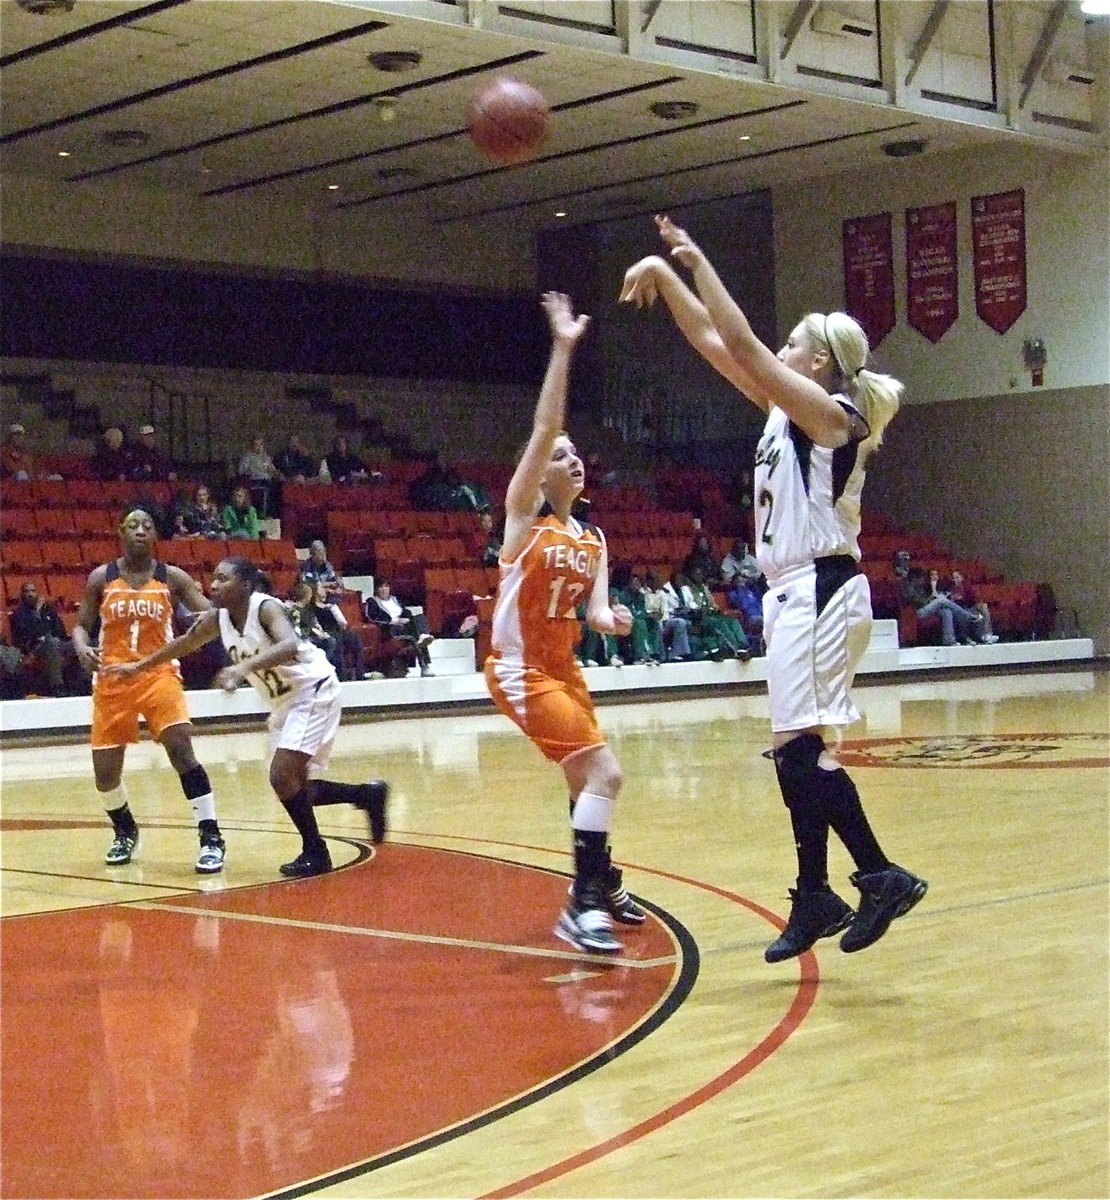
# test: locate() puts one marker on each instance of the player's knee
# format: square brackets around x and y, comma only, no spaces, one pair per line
[796,765]
[605,777]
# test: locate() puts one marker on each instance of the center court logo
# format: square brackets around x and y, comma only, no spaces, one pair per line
[980,750]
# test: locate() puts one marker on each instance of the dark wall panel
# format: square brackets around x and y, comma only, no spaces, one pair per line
[68,309]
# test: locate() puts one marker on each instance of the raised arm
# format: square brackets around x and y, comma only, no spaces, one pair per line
[764,377]
[523,498]
[654,276]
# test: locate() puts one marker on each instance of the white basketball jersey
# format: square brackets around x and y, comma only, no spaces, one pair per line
[807,497]
[276,685]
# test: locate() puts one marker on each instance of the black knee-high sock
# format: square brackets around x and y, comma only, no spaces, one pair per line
[591,858]
[324,791]
[299,808]
[795,763]
[841,806]
[811,843]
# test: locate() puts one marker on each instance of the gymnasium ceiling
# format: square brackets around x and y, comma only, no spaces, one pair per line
[277,101]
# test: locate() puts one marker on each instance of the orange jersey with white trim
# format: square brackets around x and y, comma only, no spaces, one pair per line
[536,619]
[134,622]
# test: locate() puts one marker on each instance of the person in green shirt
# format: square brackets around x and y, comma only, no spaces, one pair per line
[240,519]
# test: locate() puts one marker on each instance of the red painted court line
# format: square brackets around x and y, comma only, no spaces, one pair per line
[792,1019]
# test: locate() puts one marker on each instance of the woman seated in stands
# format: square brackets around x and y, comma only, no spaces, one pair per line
[920,591]
[240,518]
[197,516]
[400,623]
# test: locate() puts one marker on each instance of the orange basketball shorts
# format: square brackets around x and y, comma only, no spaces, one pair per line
[556,712]
[117,704]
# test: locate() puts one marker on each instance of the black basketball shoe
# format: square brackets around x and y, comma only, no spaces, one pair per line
[316,862]
[372,799]
[884,895]
[813,915]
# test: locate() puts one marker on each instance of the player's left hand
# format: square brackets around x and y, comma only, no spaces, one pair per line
[683,247]
[228,678]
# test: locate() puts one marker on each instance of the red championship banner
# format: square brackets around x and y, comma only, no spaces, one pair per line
[932,301]
[869,273]
[998,249]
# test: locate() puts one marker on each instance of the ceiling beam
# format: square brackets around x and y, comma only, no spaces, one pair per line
[925,39]
[1042,49]
[794,25]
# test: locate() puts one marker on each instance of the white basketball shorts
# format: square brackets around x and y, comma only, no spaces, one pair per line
[309,722]
[812,655]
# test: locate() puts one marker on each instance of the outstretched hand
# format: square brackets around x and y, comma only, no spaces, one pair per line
[640,285]
[683,247]
[565,326]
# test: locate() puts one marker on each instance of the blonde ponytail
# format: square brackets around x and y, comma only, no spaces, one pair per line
[876,396]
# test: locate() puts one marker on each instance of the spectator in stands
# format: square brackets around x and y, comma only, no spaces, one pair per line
[902,561]
[702,559]
[316,569]
[663,602]
[306,621]
[38,632]
[976,631]
[397,621]
[240,518]
[112,459]
[955,622]
[196,516]
[149,462]
[491,550]
[12,686]
[441,489]
[964,594]
[16,461]
[258,471]
[722,635]
[295,463]
[342,465]
[739,562]
[745,596]
[646,636]
[351,657]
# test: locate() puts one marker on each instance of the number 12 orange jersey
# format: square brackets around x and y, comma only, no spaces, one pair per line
[134,622]
[536,620]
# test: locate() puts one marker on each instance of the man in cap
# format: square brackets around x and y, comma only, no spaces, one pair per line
[16,461]
[149,462]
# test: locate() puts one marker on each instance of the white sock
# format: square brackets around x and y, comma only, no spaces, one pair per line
[592,813]
[114,799]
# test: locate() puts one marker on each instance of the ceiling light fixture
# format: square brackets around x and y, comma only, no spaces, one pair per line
[673,110]
[63,154]
[386,108]
[910,148]
[395,62]
[124,138]
[333,187]
[562,212]
[42,7]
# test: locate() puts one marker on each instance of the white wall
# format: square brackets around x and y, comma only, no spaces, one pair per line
[1067,215]
[242,233]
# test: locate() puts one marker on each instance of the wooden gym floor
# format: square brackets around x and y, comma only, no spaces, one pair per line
[408,1025]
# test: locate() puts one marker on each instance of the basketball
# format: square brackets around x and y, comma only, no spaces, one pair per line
[508,120]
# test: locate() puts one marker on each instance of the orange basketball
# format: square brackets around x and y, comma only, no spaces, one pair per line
[508,120]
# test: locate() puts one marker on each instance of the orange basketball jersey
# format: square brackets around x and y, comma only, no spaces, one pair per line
[134,622]
[536,619]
